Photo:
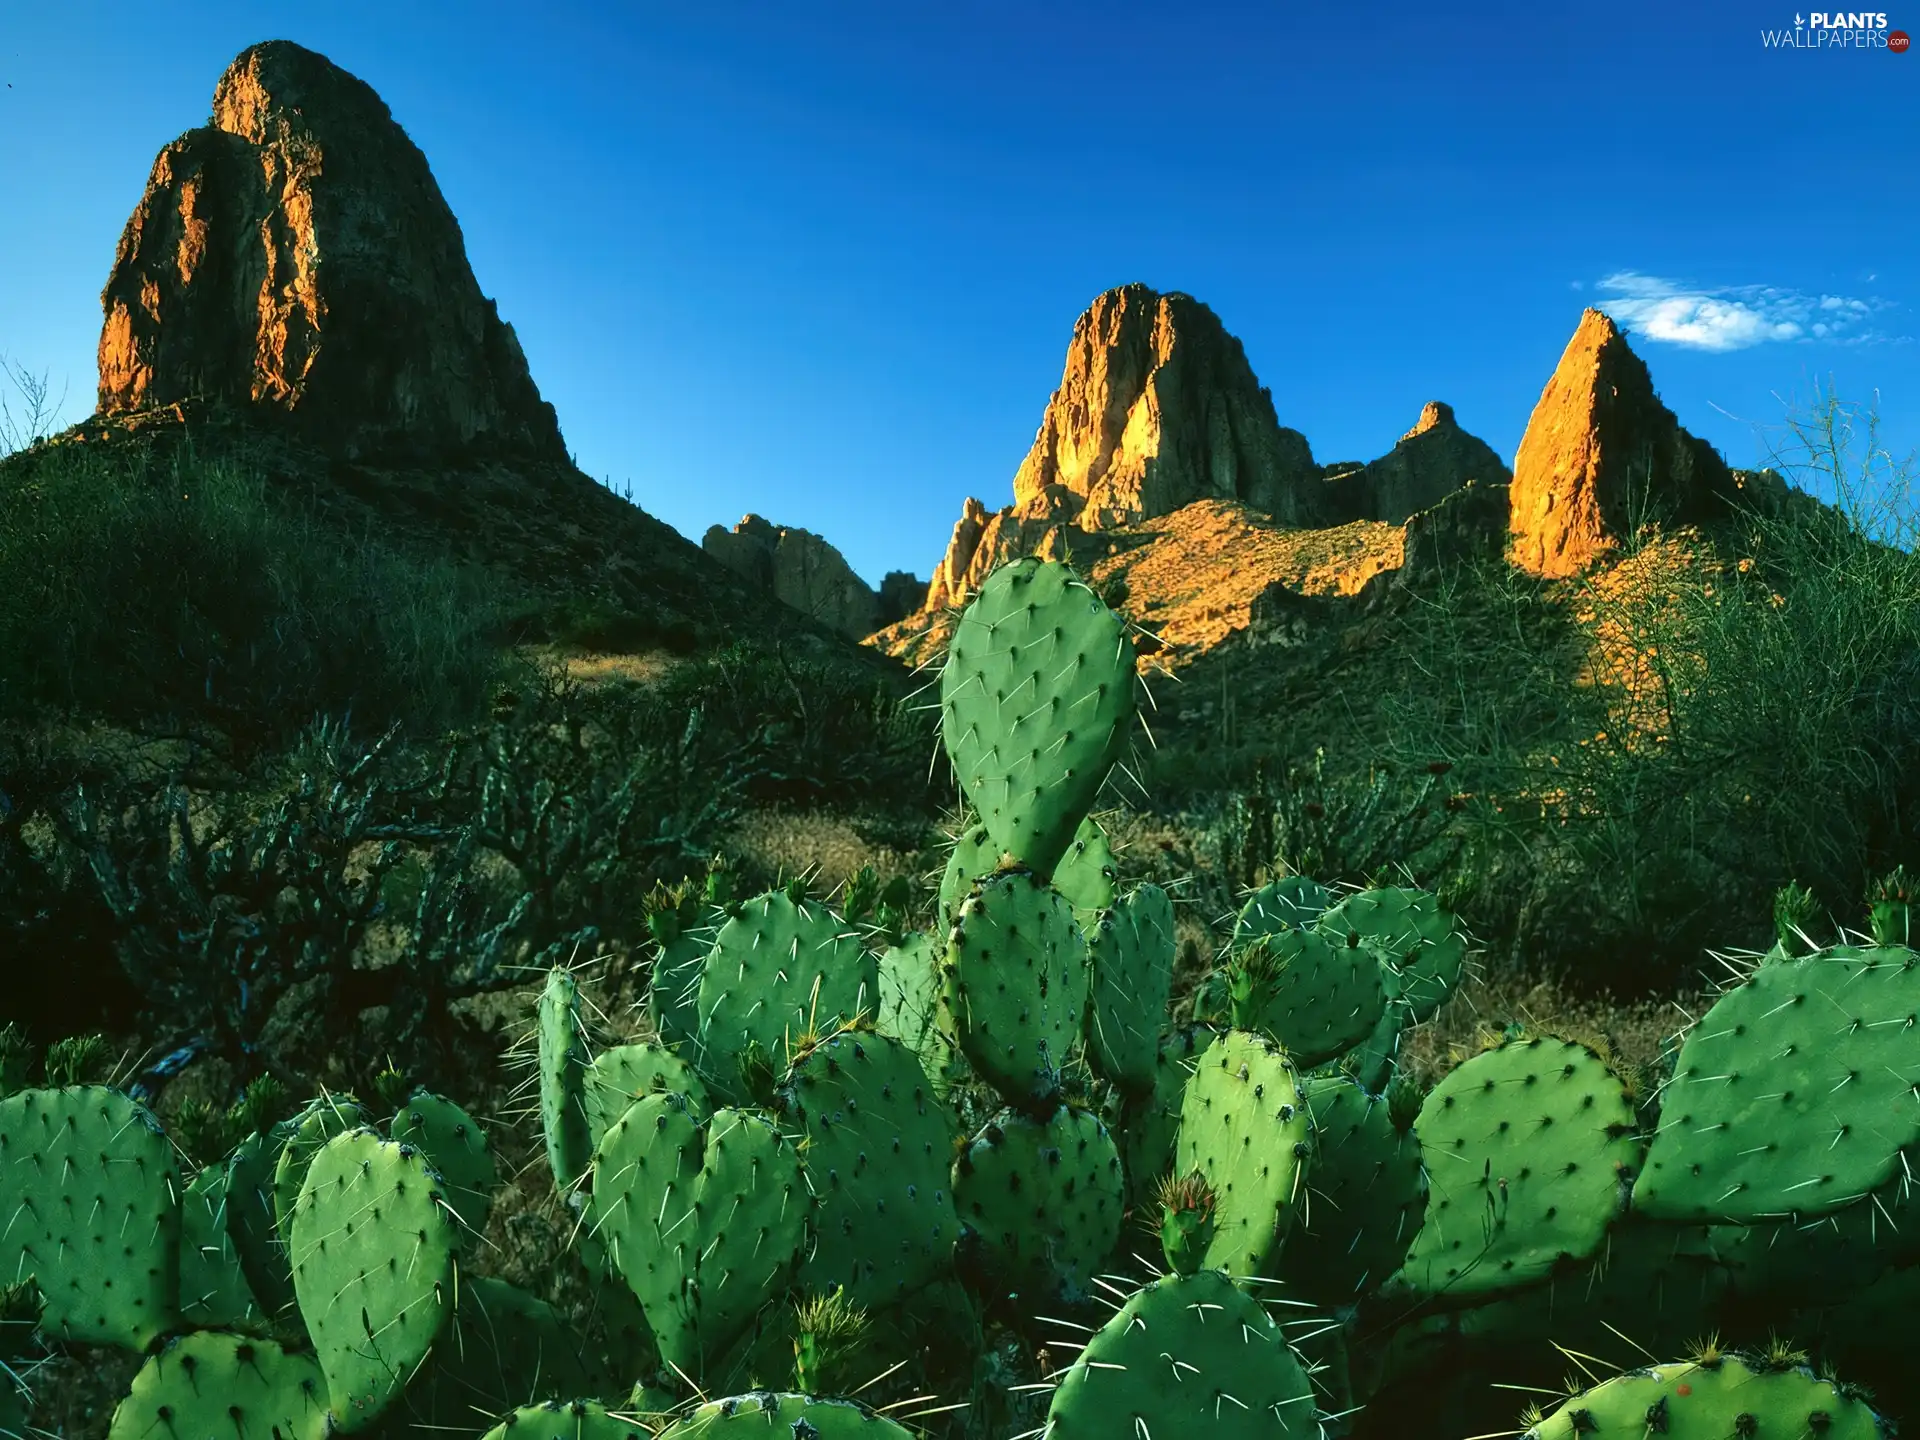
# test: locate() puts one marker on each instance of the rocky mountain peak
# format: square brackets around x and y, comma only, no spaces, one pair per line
[295,259]
[1601,454]
[1157,408]
[1434,415]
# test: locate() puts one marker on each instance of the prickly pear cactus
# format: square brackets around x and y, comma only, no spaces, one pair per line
[561,1057]
[622,1074]
[251,1226]
[1793,1094]
[456,1151]
[92,1200]
[910,985]
[307,1134]
[373,1268]
[1244,1127]
[1149,1124]
[878,1146]
[1416,935]
[1042,1199]
[213,1287]
[1036,702]
[1186,1355]
[1016,984]
[780,971]
[567,1420]
[1317,998]
[1529,1149]
[683,925]
[210,1383]
[1291,903]
[763,1413]
[1084,877]
[1366,1193]
[1132,951]
[1712,1398]
[704,1220]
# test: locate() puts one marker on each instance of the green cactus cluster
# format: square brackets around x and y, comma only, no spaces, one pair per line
[850,1179]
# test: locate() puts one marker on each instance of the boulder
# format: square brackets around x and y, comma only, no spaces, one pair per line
[1601,456]
[294,259]
[1157,408]
[801,569]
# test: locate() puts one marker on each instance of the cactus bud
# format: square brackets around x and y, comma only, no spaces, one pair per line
[1186,1221]
[1890,901]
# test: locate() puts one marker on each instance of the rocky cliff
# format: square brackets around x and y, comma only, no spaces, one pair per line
[295,258]
[1157,407]
[1431,461]
[804,571]
[1600,456]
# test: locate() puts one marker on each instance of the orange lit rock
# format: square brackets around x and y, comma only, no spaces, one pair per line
[295,259]
[1600,456]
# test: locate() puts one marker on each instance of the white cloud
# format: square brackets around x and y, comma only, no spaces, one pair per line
[1734,317]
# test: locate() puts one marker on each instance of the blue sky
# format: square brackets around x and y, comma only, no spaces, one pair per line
[821,261]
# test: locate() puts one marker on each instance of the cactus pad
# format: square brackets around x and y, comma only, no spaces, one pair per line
[1132,952]
[251,1227]
[1036,702]
[213,1384]
[306,1134]
[1084,877]
[1016,985]
[1366,1193]
[372,1244]
[1714,1398]
[456,1151]
[1044,1199]
[567,1420]
[1794,1094]
[1418,937]
[92,1201]
[789,1417]
[780,971]
[1244,1127]
[1529,1150]
[1186,1355]
[879,1143]
[623,1074]
[561,1055]
[1291,903]
[705,1221]
[214,1294]
[910,985]
[1314,996]
[1149,1124]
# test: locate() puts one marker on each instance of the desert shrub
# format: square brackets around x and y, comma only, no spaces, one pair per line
[182,588]
[795,728]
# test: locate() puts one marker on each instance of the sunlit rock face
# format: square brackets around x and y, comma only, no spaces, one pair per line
[1601,454]
[1157,408]
[296,259]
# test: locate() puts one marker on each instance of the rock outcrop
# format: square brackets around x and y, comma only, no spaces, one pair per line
[1431,461]
[1157,408]
[1600,456]
[901,594]
[295,259]
[801,569]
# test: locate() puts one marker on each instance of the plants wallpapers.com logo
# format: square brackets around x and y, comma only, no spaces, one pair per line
[1838,30]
